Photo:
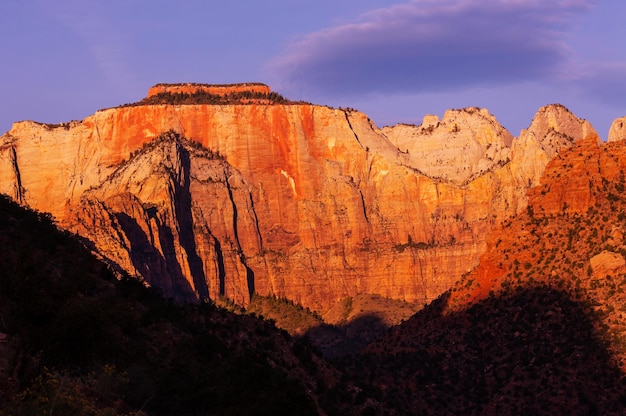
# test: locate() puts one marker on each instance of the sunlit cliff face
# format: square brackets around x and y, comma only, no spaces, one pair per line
[297,200]
[570,234]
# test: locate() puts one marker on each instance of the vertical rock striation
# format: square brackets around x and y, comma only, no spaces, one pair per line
[296,200]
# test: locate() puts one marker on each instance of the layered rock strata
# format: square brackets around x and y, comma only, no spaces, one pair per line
[295,200]
[215,89]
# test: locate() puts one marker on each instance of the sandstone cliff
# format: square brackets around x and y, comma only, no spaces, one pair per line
[569,240]
[553,128]
[297,200]
[617,131]
[573,227]
[462,146]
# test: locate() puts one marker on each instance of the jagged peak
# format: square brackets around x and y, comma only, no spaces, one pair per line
[461,146]
[617,132]
[559,118]
[159,161]
[451,115]
[473,117]
[554,127]
[554,107]
[431,121]
[173,137]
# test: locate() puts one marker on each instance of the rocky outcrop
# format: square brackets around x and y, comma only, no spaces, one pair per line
[216,89]
[294,200]
[617,132]
[568,183]
[172,214]
[571,230]
[462,146]
[553,128]
[607,262]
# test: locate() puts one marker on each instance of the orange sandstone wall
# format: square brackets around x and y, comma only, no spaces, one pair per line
[311,203]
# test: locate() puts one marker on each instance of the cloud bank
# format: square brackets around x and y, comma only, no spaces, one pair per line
[433,45]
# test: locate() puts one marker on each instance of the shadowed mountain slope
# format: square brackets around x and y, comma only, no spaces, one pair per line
[77,341]
[528,351]
[539,326]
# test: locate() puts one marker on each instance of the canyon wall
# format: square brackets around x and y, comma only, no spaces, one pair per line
[571,237]
[296,200]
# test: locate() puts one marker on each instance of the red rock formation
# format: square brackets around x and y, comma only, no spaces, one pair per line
[214,89]
[304,201]
[568,182]
[580,185]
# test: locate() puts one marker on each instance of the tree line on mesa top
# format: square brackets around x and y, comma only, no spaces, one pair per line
[204,97]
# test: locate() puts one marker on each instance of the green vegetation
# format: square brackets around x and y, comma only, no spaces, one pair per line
[531,351]
[171,136]
[286,314]
[420,245]
[550,337]
[204,97]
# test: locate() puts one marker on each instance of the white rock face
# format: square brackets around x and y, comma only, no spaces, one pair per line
[430,120]
[617,131]
[463,145]
[553,128]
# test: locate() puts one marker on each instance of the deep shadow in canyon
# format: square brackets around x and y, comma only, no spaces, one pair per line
[532,350]
[76,337]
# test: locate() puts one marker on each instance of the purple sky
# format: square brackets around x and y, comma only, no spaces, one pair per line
[394,60]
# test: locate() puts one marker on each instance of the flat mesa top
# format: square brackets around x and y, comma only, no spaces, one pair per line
[200,84]
[214,89]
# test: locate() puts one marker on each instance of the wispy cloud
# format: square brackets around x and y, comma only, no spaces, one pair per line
[433,45]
